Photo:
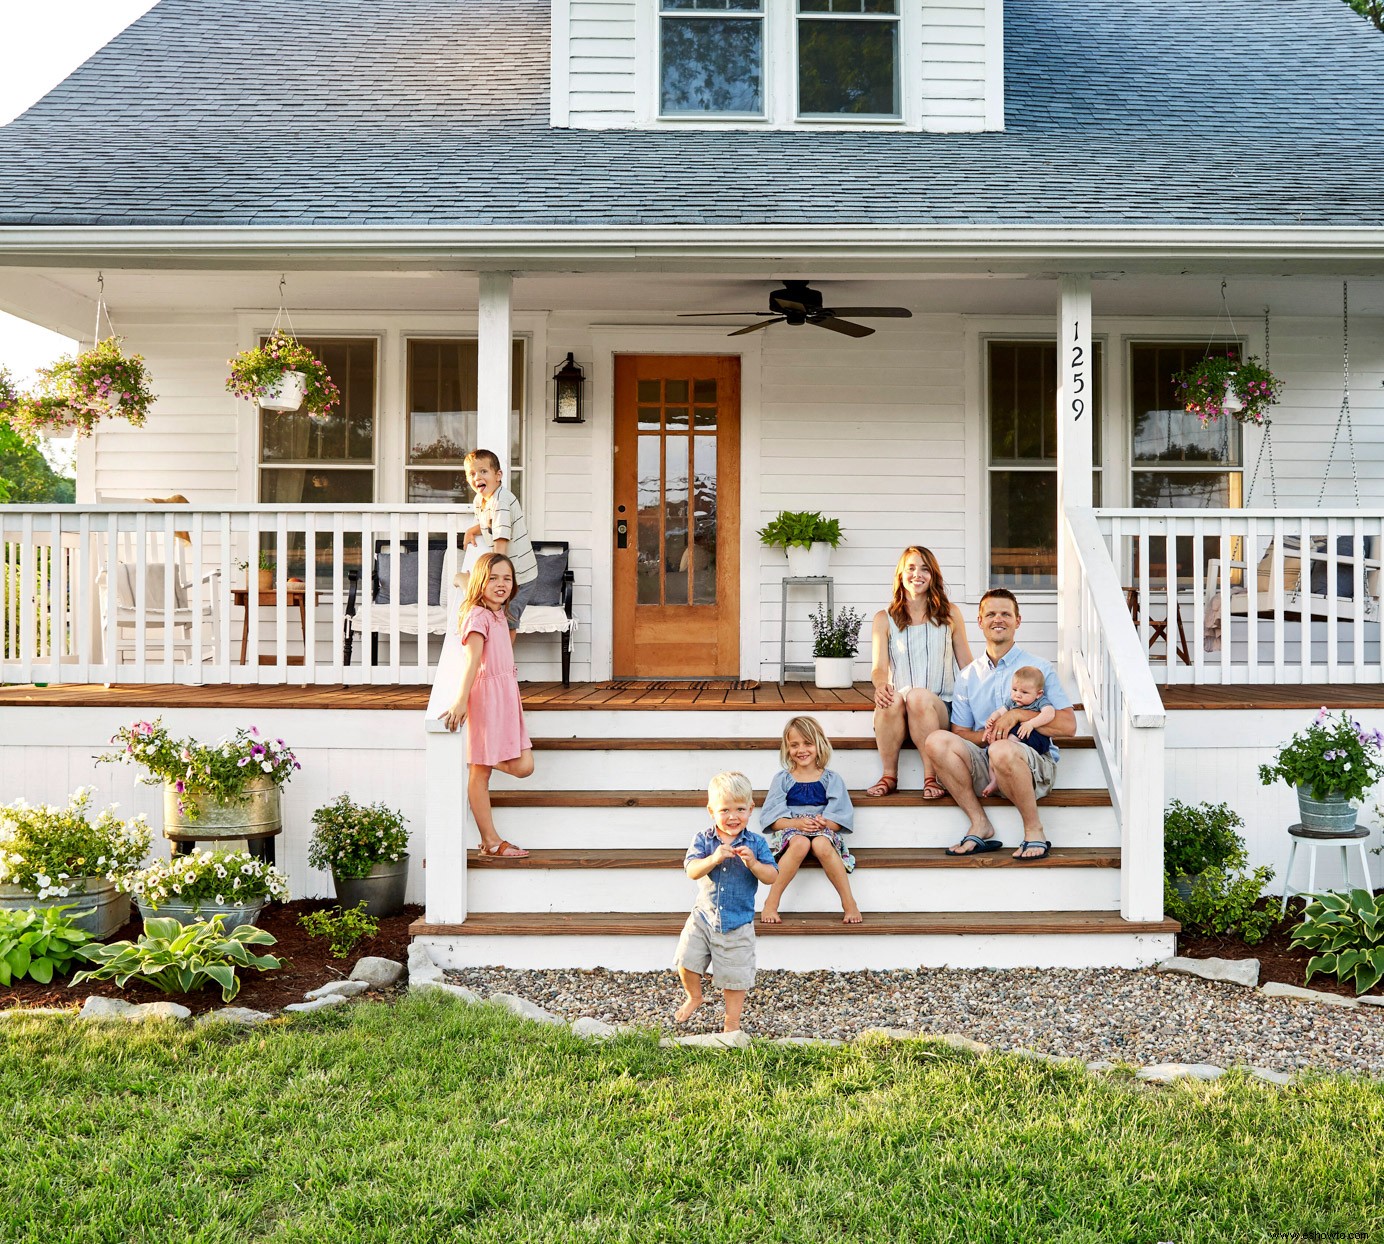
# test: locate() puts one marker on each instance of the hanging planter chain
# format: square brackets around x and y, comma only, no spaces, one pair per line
[1344,416]
[1266,444]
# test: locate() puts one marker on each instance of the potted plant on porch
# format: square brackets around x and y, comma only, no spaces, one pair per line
[365,848]
[284,375]
[1332,762]
[51,857]
[835,642]
[79,390]
[1224,384]
[196,887]
[806,537]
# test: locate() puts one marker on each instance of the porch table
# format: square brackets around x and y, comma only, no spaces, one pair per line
[240,597]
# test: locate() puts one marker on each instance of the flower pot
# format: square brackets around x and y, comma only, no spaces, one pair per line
[834,671]
[236,914]
[112,909]
[60,434]
[381,889]
[1332,813]
[809,563]
[287,393]
[1183,883]
[266,580]
[258,815]
[1231,403]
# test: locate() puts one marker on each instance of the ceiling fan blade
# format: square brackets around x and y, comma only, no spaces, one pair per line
[754,328]
[883,313]
[842,326]
[686,314]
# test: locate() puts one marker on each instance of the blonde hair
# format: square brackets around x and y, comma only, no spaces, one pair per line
[480,576]
[1032,675]
[811,729]
[487,456]
[733,786]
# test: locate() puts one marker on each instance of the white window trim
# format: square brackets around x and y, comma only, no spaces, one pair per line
[906,43]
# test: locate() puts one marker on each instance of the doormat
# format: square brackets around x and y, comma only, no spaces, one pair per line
[678,684]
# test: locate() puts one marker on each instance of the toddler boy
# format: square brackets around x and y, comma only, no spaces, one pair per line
[501,518]
[728,862]
[1025,691]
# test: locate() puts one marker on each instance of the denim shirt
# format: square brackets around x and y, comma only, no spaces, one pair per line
[725,896]
[983,686]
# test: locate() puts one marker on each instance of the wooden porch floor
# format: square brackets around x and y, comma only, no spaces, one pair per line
[550,696]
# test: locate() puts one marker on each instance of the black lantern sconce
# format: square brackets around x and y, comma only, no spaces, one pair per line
[567,382]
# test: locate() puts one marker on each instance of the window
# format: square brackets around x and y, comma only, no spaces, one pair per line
[442,383]
[1022,394]
[711,57]
[848,58]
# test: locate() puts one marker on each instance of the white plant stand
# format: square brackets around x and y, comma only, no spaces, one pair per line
[1316,838]
[821,583]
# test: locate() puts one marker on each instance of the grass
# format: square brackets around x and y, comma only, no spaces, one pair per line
[431,1121]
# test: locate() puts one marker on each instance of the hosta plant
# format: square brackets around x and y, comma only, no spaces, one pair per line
[802,528]
[52,850]
[226,878]
[351,838]
[38,943]
[344,927]
[80,390]
[255,372]
[179,958]
[1347,933]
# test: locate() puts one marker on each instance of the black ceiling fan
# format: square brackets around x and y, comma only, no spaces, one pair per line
[798,303]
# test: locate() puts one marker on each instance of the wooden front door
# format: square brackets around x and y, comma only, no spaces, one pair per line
[677,516]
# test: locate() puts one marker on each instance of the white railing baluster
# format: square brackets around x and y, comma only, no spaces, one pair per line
[310,597]
[170,601]
[141,595]
[251,617]
[396,575]
[338,603]
[1279,602]
[422,601]
[1251,546]
[1332,585]
[197,600]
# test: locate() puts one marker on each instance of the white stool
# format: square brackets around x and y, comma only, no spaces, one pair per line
[1315,838]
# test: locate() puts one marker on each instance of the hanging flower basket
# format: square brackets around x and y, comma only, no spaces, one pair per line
[1222,384]
[80,390]
[264,375]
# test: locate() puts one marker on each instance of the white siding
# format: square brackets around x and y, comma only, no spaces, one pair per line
[955,48]
[601,63]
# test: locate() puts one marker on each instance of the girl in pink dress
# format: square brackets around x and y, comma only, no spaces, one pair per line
[489,697]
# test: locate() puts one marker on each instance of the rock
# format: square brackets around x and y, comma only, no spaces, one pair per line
[1166,1073]
[1233,971]
[597,1029]
[459,992]
[956,1041]
[1099,1065]
[1269,1075]
[806,1041]
[1038,1056]
[525,1009]
[235,1015]
[1373,999]
[378,973]
[1275,989]
[885,1034]
[736,1040]
[344,989]
[319,1004]
[163,1010]
[118,1008]
[421,966]
[24,1012]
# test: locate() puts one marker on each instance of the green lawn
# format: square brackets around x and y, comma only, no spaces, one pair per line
[431,1120]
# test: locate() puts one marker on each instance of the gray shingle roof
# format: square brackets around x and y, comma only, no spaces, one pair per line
[391,112]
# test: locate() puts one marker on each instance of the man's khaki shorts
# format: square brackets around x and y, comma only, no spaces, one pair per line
[1043,768]
[729,955]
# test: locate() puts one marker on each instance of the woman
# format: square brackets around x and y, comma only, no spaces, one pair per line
[918,644]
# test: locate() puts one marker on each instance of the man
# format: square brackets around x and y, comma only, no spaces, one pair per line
[978,748]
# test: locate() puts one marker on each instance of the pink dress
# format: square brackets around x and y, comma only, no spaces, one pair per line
[494,714]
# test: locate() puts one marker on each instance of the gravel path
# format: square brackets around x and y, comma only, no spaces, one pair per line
[1125,1016]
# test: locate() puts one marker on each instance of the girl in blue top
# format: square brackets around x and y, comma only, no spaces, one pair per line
[806,812]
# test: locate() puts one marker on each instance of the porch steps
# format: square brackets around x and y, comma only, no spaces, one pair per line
[1058,798]
[872,857]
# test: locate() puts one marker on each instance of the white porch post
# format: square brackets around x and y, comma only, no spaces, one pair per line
[1074,446]
[495,357]
[445,810]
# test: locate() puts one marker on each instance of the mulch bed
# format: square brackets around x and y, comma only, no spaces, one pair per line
[308,963]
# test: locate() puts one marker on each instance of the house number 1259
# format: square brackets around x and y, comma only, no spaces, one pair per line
[1078,374]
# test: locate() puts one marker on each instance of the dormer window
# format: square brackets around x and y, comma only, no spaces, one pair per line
[848,58]
[711,58]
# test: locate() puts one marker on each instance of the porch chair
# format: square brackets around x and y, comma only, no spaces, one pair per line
[548,612]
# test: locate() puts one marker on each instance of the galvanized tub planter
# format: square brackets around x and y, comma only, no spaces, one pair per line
[381,889]
[258,815]
[111,907]
[235,914]
[1331,814]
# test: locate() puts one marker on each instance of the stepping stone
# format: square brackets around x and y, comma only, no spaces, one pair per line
[1233,971]
[23,1012]
[1101,1064]
[319,1004]
[1038,1056]
[1166,1073]
[1269,1075]
[526,1009]
[956,1041]
[118,1008]
[344,989]
[885,1034]
[806,1041]
[460,992]
[235,1015]
[376,972]
[1276,989]
[711,1040]
[597,1029]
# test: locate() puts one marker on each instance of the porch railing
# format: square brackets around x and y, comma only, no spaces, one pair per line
[1123,706]
[137,593]
[1252,596]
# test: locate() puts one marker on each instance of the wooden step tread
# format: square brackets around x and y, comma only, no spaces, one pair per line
[866,857]
[823,923]
[686,743]
[1076,798]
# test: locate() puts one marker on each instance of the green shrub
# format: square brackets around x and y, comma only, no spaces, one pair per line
[344,926]
[1223,896]
[1348,931]
[1197,838]
[39,942]
[802,528]
[180,958]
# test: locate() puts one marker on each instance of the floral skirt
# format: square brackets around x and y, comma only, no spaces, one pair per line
[778,840]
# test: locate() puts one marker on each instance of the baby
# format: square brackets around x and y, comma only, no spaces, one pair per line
[1025,691]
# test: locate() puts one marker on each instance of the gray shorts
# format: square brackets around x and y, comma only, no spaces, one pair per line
[730,956]
[1043,768]
[514,606]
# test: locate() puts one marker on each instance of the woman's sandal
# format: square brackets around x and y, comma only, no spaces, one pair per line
[887,785]
[933,789]
[505,851]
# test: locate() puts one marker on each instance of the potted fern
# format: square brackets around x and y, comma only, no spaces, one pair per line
[835,642]
[806,537]
[283,374]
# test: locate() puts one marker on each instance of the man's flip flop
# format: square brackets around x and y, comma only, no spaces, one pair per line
[982,845]
[1028,844]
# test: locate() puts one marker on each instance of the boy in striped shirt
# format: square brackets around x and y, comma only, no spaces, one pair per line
[501,518]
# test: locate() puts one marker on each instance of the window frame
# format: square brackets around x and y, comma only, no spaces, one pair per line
[763,17]
[900,76]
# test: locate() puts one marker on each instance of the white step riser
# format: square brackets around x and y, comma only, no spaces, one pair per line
[881,889]
[617,829]
[851,952]
[690,769]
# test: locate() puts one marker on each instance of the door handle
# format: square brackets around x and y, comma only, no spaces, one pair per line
[622,534]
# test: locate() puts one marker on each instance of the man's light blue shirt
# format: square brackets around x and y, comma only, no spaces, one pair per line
[983,686]
[725,896]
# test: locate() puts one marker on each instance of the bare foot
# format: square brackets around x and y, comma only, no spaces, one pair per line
[687,1009]
[770,916]
[852,916]
[990,790]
